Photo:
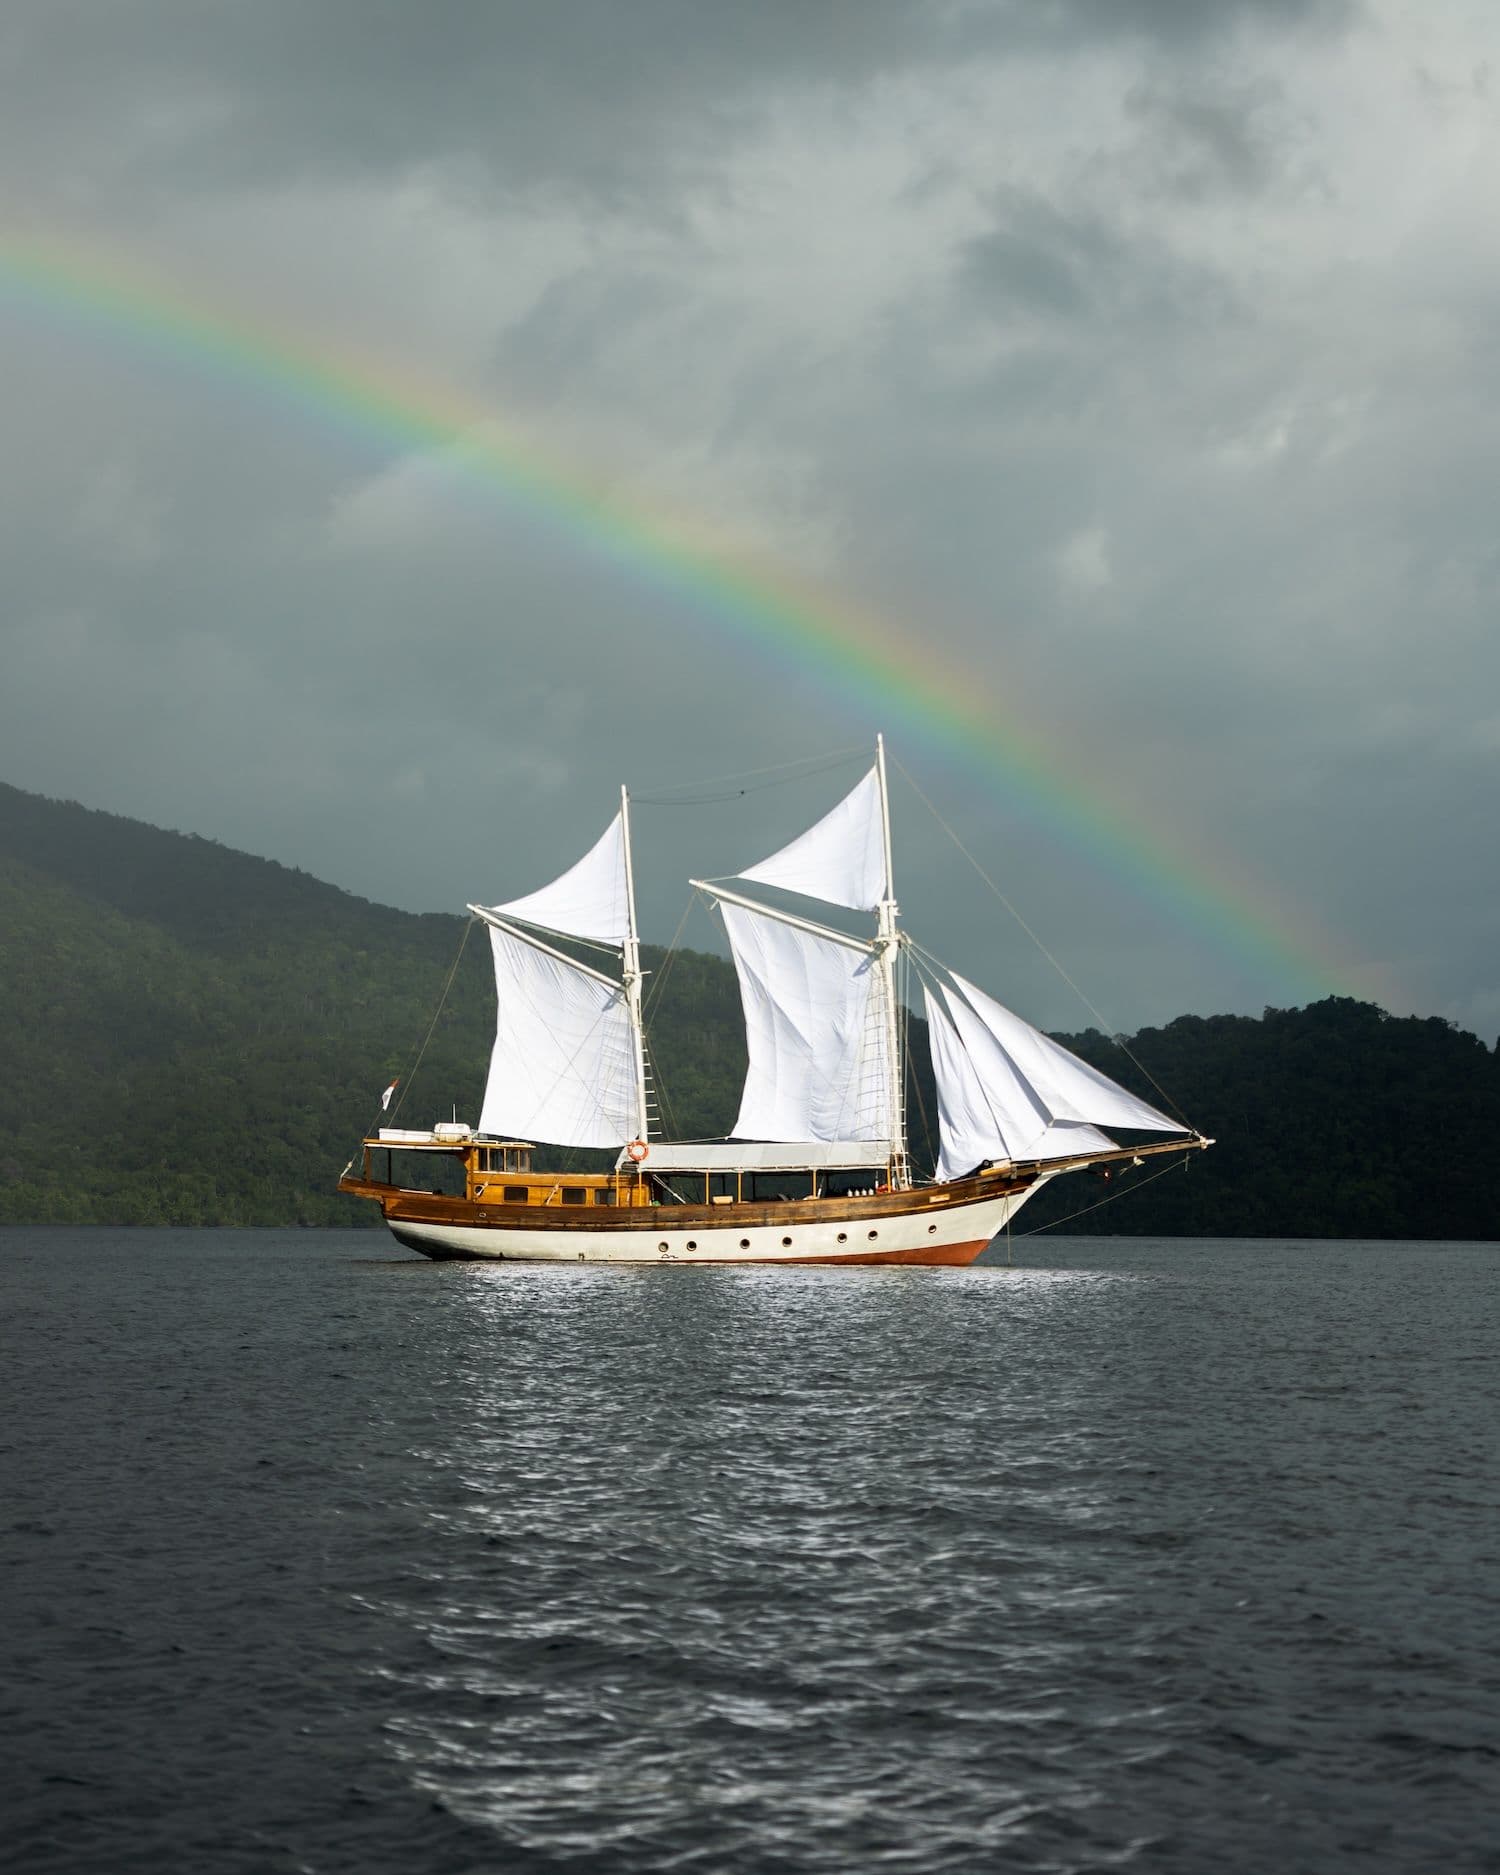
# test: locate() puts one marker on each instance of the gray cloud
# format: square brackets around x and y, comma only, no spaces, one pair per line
[615,100]
[1131,358]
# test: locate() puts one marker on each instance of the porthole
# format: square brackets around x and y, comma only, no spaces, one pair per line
[786,1243]
[691,1244]
[664,1246]
[843,1236]
[873,1235]
[744,1243]
[932,1230]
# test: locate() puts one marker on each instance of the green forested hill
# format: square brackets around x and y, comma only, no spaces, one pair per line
[1331,1121]
[191,1035]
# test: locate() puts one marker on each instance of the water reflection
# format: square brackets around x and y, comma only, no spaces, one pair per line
[941,1567]
[718,1555]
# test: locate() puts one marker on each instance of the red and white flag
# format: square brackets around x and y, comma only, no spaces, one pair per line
[385,1098]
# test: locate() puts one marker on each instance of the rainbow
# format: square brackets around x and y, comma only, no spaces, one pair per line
[764,611]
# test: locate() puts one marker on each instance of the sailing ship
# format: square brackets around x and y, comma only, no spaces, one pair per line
[816,1168]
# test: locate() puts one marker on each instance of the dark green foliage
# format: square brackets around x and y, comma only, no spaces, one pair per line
[192,1036]
[1332,1121]
[189,1035]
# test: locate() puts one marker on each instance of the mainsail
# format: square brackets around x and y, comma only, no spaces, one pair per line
[812,1029]
[820,1007]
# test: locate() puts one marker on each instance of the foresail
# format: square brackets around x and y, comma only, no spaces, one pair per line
[985,1111]
[986,1108]
[813,1028]
[563,1066]
[841,860]
[589,900]
[1069,1090]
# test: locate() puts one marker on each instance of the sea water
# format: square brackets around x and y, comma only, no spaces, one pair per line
[1174,1556]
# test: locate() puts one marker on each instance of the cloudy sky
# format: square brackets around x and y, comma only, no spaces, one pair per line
[1133,363]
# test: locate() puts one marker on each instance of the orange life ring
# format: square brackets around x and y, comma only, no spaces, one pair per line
[638,1151]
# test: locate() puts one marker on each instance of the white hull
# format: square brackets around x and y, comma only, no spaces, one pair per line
[957,1235]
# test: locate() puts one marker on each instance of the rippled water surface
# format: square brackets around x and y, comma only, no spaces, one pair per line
[1166,1556]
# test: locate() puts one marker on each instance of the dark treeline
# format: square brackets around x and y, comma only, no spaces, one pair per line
[194,1036]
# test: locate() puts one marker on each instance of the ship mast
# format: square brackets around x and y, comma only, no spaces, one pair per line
[887,942]
[630,963]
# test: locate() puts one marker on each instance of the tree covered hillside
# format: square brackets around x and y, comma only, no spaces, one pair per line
[192,1035]
[1332,1121]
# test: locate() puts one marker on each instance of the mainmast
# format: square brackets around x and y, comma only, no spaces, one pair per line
[630,963]
[887,942]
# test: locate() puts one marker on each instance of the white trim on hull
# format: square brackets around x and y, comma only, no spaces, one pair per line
[914,1238]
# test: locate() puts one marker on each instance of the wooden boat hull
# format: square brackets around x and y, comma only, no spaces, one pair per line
[938,1225]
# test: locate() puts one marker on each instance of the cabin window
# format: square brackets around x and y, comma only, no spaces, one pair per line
[679,1187]
[604,1195]
[722,1186]
[444,1174]
[574,1194]
[852,1184]
[767,1187]
[517,1194]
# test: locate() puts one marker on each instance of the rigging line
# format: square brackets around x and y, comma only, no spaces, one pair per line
[1124,1192]
[1056,965]
[909,1073]
[652,999]
[781,774]
[411,1072]
[666,1112]
[906,1072]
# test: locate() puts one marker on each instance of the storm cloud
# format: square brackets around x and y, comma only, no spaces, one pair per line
[1134,356]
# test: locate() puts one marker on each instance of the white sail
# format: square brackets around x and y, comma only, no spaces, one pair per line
[1069,1090]
[813,1028]
[590,900]
[975,1123]
[986,1109]
[563,1066]
[841,860]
